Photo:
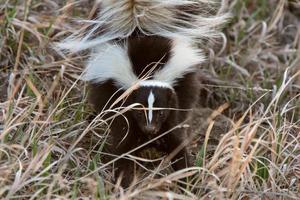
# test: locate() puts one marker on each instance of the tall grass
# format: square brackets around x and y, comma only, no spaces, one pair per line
[50,149]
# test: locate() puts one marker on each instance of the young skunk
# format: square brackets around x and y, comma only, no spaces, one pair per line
[150,48]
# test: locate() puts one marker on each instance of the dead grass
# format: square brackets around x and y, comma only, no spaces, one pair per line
[48,146]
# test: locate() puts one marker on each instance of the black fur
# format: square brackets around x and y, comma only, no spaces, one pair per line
[144,51]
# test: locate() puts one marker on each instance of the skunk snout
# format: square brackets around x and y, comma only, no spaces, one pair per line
[150,129]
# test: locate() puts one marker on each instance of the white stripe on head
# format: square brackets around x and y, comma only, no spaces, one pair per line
[151,101]
[155,83]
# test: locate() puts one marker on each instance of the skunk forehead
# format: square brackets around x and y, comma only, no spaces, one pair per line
[159,95]
[115,62]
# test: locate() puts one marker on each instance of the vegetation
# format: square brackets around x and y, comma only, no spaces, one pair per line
[247,124]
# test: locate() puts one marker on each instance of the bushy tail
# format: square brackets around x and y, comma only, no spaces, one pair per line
[167,18]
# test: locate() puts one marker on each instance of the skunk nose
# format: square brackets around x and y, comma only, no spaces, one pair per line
[150,129]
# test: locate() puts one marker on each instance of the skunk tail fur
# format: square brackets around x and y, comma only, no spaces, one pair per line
[167,18]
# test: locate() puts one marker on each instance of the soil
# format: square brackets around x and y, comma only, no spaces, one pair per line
[199,126]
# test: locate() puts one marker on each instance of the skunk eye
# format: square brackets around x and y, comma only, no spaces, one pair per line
[161,113]
[139,113]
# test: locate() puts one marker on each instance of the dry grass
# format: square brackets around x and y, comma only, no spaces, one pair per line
[48,146]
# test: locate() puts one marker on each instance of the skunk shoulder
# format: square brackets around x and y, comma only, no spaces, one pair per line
[111,61]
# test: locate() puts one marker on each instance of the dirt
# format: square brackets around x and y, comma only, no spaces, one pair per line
[200,122]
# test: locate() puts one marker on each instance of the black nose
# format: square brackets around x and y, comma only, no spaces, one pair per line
[150,129]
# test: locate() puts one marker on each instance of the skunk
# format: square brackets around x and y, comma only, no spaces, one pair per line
[147,49]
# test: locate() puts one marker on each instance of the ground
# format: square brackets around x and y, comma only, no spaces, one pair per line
[247,143]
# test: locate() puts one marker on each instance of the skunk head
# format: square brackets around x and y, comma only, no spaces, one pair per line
[156,105]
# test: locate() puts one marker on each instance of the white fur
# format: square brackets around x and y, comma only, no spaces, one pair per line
[110,61]
[151,100]
[155,83]
[185,58]
[119,18]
